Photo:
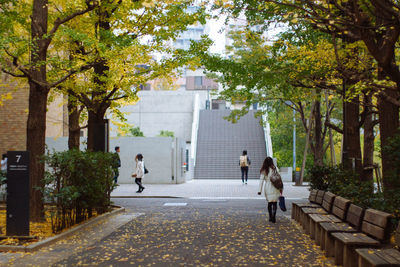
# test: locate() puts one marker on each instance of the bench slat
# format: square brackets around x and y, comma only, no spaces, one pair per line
[337,227]
[320,196]
[340,206]
[372,258]
[327,202]
[339,212]
[313,210]
[355,239]
[341,202]
[313,195]
[376,217]
[379,256]
[373,230]
[324,218]
[392,256]
[354,215]
[307,205]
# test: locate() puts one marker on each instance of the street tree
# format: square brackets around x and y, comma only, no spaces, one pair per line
[124,39]
[28,30]
[375,23]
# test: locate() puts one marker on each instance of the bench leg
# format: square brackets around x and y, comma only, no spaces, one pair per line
[311,228]
[302,218]
[318,234]
[294,211]
[363,263]
[350,258]
[329,245]
[306,224]
[338,252]
[321,237]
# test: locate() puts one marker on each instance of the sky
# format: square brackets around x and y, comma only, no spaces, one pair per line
[217,34]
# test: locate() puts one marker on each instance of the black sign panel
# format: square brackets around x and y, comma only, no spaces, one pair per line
[18,193]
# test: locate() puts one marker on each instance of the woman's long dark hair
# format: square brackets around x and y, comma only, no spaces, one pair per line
[268,163]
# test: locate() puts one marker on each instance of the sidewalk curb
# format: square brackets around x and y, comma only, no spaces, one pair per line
[145,197]
[53,239]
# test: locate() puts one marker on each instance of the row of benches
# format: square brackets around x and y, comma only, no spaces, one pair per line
[353,235]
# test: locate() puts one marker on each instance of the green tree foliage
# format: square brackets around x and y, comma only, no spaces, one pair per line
[259,70]
[99,51]
[128,130]
[372,23]
[165,133]
[136,132]
[122,39]
[28,34]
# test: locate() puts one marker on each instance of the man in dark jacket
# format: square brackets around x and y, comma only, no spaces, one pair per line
[116,164]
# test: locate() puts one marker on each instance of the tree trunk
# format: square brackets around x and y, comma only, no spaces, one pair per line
[96,132]
[368,159]
[351,136]
[36,126]
[96,124]
[318,137]
[388,124]
[73,124]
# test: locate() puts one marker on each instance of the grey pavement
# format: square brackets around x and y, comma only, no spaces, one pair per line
[211,188]
[183,232]
[201,232]
[199,223]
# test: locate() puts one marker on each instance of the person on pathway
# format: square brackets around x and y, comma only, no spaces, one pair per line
[4,163]
[271,193]
[139,172]
[116,164]
[244,163]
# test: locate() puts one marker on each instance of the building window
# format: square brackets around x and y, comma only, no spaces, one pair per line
[198,81]
[145,87]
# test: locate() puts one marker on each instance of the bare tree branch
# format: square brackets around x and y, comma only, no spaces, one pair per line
[12,73]
[334,127]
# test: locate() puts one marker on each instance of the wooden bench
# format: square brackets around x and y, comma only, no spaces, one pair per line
[310,210]
[311,204]
[380,257]
[375,229]
[314,218]
[351,224]
[338,210]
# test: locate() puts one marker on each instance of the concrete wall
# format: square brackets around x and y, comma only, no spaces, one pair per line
[163,110]
[159,154]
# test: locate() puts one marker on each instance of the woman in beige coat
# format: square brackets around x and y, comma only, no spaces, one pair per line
[271,193]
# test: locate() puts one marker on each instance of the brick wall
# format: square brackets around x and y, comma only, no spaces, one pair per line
[13,115]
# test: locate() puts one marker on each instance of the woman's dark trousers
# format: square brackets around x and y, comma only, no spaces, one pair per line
[138,181]
[245,171]
[272,207]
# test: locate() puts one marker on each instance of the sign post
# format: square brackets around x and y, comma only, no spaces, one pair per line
[17,193]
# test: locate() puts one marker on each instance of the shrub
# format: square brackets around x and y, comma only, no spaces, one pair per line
[77,184]
[165,133]
[346,184]
[3,178]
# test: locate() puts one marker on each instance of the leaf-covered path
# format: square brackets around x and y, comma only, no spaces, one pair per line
[202,233]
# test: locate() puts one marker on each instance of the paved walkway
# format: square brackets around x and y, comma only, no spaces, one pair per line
[198,189]
[201,232]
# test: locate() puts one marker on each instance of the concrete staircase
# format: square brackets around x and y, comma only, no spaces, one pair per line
[220,143]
